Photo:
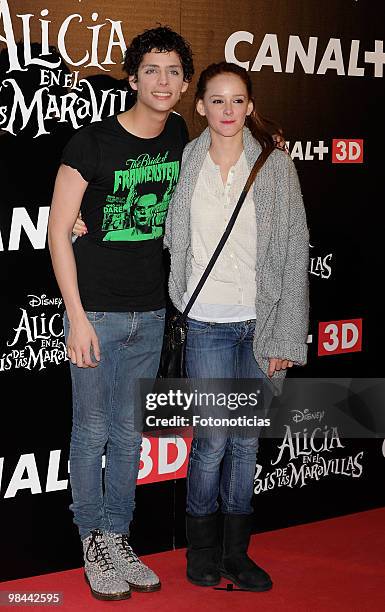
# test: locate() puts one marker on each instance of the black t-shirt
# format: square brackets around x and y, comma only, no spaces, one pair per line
[131,181]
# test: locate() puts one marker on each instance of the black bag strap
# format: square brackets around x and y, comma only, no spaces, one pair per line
[254,171]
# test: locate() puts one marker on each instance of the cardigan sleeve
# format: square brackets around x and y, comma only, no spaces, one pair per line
[291,325]
[167,227]
[167,240]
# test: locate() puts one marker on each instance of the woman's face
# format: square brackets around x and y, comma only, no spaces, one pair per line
[225,104]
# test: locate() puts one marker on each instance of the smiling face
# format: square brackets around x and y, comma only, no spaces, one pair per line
[225,104]
[160,80]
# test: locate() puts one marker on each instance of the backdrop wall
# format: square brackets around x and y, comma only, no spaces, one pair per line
[318,69]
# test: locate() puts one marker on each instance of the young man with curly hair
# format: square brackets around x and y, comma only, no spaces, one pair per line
[114,295]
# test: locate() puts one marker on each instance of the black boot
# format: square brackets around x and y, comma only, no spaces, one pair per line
[203,552]
[236,565]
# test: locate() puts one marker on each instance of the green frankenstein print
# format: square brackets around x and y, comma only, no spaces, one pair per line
[138,207]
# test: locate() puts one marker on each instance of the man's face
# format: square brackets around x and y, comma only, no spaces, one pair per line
[160,80]
[143,209]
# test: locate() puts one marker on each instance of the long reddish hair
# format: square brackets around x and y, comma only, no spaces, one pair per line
[258,125]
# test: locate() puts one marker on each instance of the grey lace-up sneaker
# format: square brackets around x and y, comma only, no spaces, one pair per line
[130,567]
[99,571]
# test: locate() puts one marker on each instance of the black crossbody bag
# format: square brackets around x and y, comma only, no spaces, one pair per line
[172,356]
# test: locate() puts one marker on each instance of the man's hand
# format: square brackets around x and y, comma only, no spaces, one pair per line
[276,364]
[81,340]
[280,141]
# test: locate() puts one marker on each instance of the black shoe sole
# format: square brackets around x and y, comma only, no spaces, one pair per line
[105,596]
[146,589]
[203,583]
[243,585]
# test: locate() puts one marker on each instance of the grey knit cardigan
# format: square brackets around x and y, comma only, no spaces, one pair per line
[282,299]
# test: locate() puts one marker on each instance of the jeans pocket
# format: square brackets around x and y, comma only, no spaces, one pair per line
[198,327]
[95,317]
[159,314]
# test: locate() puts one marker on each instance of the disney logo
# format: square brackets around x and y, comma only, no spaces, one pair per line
[306,415]
[43,300]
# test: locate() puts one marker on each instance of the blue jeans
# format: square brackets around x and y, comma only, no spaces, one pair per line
[103,418]
[221,465]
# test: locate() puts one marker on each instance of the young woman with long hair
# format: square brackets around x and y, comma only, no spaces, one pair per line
[250,319]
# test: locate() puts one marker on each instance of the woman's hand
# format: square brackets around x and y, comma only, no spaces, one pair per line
[80,228]
[276,364]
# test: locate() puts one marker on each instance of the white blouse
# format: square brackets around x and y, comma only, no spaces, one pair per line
[230,290]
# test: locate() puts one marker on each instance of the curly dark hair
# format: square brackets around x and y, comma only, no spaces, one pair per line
[162,39]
